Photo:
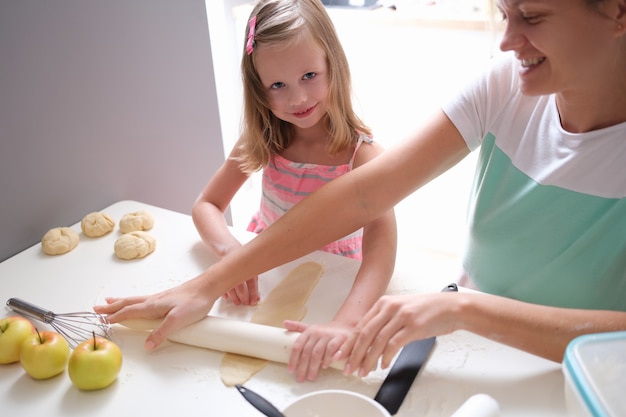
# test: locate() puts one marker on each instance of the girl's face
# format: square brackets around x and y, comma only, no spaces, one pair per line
[295,78]
[562,45]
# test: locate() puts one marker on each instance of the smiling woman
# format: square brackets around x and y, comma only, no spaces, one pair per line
[572,65]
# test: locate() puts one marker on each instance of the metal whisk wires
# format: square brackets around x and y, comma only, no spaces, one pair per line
[75,327]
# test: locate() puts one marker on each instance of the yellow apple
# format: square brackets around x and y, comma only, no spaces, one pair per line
[94,364]
[44,354]
[13,331]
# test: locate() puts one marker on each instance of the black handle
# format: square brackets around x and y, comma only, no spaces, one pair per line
[260,403]
[410,360]
[451,288]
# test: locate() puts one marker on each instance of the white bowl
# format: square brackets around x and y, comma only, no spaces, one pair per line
[335,403]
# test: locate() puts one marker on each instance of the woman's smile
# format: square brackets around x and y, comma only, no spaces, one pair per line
[530,65]
[531,62]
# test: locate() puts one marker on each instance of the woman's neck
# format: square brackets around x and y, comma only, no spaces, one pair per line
[587,112]
[598,103]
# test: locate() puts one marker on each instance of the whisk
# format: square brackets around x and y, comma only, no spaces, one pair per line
[75,327]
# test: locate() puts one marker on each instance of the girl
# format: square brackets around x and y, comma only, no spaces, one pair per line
[300,128]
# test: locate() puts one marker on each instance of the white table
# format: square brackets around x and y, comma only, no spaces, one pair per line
[178,379]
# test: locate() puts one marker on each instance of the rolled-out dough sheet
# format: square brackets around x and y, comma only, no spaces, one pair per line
[285,302]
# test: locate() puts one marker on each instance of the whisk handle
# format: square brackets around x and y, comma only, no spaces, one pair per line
[28,309]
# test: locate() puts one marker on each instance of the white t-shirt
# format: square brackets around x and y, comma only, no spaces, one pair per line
[547,216]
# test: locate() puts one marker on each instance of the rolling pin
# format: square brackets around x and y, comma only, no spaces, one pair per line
[479,405]
[227,335]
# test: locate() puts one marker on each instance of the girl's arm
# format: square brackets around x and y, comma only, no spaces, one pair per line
[379,256]
[343,205]
[374,274]
[208,217]
[209,208]
[541,330]
[318,343]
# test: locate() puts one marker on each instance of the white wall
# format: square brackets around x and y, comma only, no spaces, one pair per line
[226,46]
[102,101]
[227,20]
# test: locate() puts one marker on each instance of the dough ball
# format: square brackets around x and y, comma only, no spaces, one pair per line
[138,220]
[97,224]
[134,245]
[59,240]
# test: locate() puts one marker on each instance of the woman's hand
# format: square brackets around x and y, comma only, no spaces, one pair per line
[178,307]
[315,348]
[393,322]
[540,330]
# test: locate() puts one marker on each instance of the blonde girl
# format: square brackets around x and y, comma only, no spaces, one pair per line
[299,127]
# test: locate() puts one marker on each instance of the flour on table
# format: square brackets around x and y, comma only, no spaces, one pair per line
[285,302]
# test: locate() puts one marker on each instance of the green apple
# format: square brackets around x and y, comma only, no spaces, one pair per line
[94,364]
[13,331]
[44,354]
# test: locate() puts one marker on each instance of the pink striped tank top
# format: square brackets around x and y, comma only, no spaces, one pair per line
[285,183]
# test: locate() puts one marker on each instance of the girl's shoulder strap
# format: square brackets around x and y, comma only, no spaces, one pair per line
[362,138]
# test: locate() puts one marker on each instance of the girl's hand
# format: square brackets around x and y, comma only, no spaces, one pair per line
[315,348]
[246,293]
[178,307]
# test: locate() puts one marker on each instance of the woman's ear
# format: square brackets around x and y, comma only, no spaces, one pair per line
[620,18]
[622,9]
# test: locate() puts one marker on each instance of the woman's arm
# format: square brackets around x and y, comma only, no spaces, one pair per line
[394,321]
[343,205]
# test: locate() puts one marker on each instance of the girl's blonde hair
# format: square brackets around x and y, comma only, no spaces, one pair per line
[263,134]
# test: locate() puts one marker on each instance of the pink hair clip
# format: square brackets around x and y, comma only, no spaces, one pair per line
[251,28]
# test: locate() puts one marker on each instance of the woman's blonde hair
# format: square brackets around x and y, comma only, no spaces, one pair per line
[263,134]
